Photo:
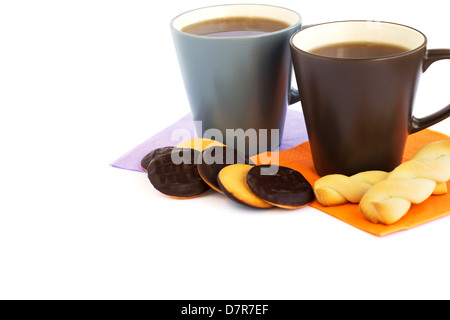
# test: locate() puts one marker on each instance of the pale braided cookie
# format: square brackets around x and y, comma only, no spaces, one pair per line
[431,151]
[337,189]
[411,182]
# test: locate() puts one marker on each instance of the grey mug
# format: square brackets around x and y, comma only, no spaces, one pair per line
[238,84]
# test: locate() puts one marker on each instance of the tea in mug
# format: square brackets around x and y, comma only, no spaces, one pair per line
[235,27]
[359,50]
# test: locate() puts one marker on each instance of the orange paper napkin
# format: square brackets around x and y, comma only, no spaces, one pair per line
[300,159]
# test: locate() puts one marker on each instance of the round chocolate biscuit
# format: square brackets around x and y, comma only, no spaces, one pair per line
[232,181]
[175,174]
[153,154]
[214,159]
[287,188]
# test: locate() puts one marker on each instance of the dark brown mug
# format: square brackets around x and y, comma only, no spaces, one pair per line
[358,110]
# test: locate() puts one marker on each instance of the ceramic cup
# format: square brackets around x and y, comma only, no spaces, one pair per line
[237,82]
[358,111]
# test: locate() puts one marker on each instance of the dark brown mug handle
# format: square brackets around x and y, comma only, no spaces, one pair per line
[418,124]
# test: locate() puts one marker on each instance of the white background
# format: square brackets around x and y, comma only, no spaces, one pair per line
[81,83]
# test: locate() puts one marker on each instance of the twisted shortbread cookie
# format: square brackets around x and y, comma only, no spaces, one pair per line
[337,189]
[431,151]
[411,182]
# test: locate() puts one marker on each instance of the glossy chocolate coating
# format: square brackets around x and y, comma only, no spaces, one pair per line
[177,180]
[287,188]
[153,154]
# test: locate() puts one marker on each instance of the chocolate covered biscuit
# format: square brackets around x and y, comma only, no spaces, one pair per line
[153,154]
[175,173]
[286,189]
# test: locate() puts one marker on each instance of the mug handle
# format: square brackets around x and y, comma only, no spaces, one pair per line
[418,124]
[294,96]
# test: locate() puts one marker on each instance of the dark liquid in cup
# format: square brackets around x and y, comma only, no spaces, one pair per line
[359,50]
[235,27]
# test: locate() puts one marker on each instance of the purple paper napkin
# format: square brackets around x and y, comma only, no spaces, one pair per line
[294,134]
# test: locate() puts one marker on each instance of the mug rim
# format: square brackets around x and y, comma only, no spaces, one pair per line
[392,56]
[297,24]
